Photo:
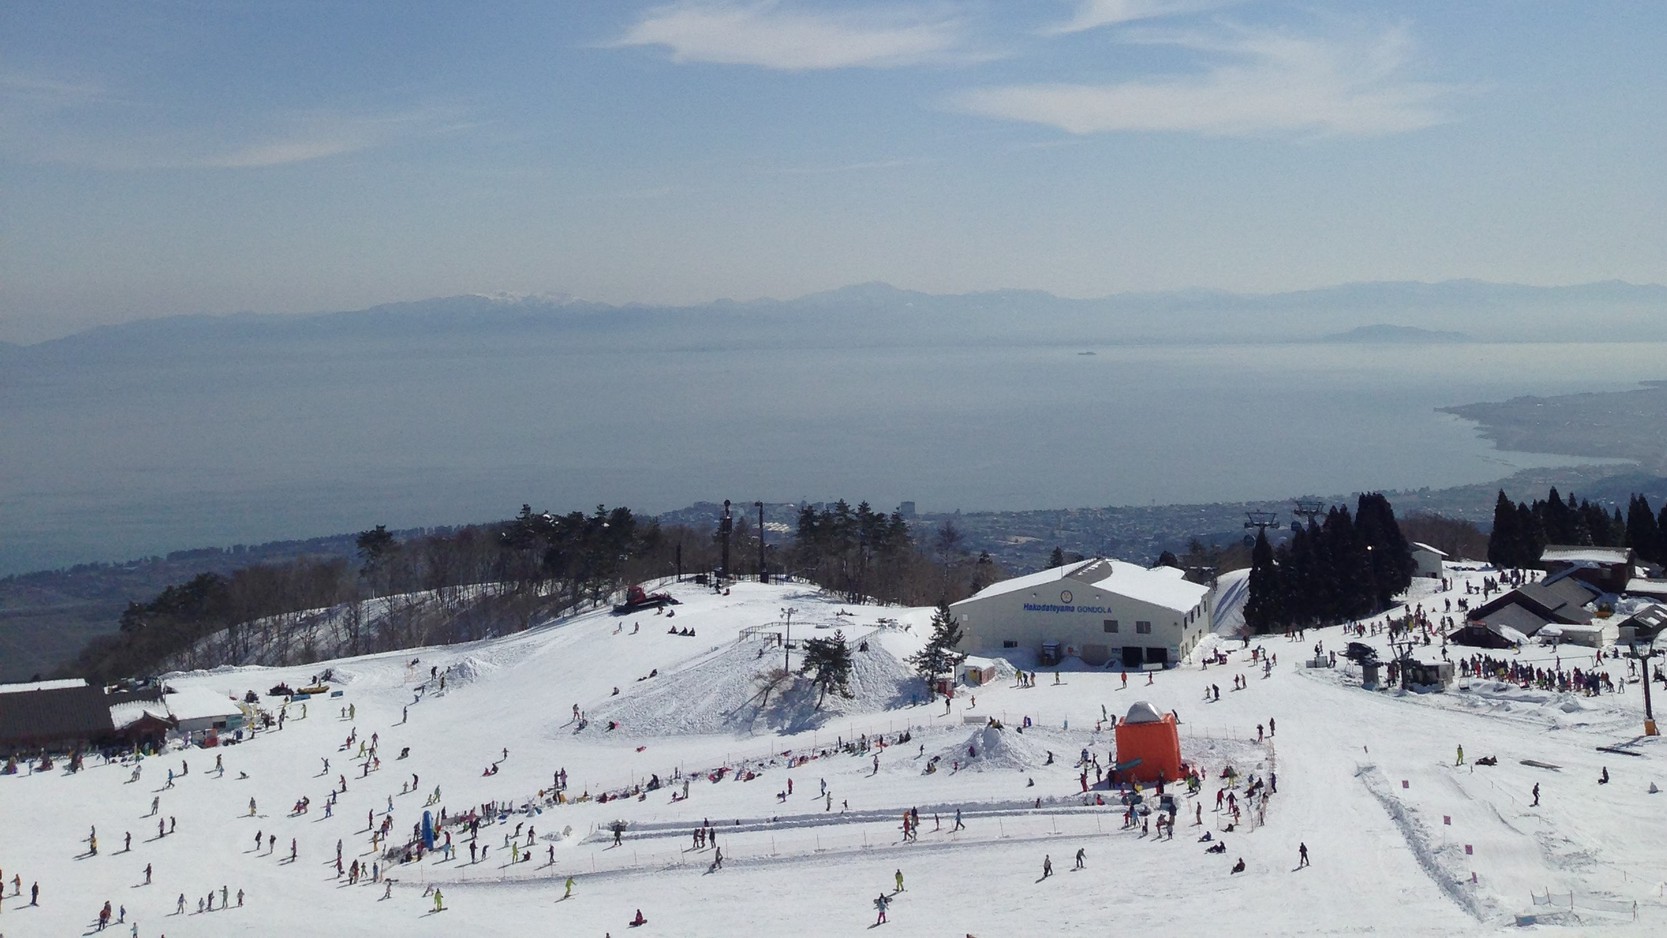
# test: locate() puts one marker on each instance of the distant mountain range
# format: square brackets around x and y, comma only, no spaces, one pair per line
[1383,334]
[877,314]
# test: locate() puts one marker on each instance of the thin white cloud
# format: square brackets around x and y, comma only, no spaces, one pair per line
[315,135]
[861,167]
[770,34]
[1093,14]
[1257,82]
[282,153]
[45,120]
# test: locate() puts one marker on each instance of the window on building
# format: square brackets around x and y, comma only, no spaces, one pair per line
[1009,643]
[1143,627]
[1111,625]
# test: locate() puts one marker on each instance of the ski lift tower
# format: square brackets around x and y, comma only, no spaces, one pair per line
[1261,521]
[1307,509]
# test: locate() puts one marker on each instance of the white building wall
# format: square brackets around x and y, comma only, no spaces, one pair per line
[1025,619]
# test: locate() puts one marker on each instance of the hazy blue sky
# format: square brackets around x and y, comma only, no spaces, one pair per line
[171,157]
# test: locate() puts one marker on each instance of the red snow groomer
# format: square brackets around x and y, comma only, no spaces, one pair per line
[636,600]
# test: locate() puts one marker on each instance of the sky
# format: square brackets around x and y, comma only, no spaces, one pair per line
[213,157]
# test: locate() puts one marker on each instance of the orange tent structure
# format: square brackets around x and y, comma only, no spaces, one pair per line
[1147,745]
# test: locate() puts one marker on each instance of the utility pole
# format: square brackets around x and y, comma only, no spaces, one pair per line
[787,642]
[725,524]
[763,575]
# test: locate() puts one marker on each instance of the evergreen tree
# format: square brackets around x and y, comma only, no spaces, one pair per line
[1057,558]
[939,656]
[1503,540]
[828,661]
[1643,533]
[1263,608]
[1531,537]
[1387,550]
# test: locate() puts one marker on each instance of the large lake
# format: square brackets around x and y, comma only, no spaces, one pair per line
[116,460]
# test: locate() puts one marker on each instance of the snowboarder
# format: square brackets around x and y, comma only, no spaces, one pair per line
[1536,796]
[958,825]
[1603,776]
[1302,855]
[1082,855]
[1047,866]
[881,903]
[639,920]
[898,878]
[1461,757]
[439,905]
[569,893]
[1238,867]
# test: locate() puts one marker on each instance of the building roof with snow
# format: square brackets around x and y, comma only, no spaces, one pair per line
[1161,586]
[1574,554]
[58,684]
[127,713]
[1420,545]
[198,704]
[1646,586]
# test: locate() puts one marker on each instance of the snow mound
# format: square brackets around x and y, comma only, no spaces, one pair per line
[990,749]
[468,671]
[729,691]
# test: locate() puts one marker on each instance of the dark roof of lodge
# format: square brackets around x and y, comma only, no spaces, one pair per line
[1560,600]
[58,715]
[1516,617]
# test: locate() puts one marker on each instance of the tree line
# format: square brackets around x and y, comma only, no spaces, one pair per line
[1521,530]
[480,581]
[1345,567]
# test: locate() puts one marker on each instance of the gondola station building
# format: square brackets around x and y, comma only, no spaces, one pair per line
[1104,612]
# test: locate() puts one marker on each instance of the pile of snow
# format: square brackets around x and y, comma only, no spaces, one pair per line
[728,690]
[992,749]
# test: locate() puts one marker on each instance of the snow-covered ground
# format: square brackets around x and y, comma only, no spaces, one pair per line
[1402,840]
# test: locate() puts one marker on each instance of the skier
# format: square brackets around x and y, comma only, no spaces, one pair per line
[1302,855]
